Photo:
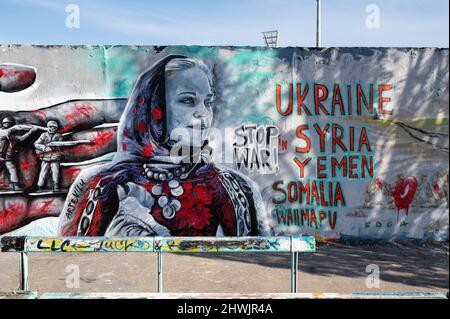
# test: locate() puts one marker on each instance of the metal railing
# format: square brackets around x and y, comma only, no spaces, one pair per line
[158,245]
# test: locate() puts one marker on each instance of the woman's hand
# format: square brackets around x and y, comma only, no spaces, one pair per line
[134,214]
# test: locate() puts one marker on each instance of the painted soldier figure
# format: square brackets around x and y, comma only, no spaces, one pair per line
[8,146]
[49,155]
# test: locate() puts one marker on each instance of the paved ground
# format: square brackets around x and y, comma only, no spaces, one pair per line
[333,268]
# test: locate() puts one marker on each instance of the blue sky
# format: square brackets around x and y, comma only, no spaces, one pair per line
[403,23]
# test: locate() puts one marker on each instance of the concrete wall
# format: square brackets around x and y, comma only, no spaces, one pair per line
[368,125]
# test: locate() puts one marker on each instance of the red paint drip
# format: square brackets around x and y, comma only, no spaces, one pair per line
[404,192]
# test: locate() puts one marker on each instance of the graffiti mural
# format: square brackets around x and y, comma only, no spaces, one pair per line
[222,141]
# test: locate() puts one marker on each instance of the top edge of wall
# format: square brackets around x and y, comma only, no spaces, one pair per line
[107,46]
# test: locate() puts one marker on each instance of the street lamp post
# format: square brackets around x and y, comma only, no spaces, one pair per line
[318,40]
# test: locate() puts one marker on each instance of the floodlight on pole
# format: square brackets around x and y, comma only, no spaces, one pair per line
[271,38]
[318,40]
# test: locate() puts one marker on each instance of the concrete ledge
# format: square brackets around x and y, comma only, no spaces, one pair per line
[158,244]
[318,295]
[19,295]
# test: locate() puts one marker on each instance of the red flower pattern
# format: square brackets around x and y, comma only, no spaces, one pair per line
[148,150]
[157,113]
[195,211]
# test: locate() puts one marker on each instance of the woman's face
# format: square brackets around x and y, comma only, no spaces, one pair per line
[189,99]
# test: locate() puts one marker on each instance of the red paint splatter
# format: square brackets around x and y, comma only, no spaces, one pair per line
[25,166]
[103,138]
[19,79]
[140,100]
[71,173]
[437,189]
[45,207]
[85,110]
[11,217]
[3,183]
[99,140]
[78,116]
[25,77]
[157,113]
[404,192]
[124,146]
[40,114]
[66,128]
[4,72]
[13,209]
[28,167]
[379,183]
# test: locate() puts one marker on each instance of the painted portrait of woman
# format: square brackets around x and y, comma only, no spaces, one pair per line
[151,188]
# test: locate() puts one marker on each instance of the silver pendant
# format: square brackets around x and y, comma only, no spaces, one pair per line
[168,212]
[177,191]
[162,201]
[174,183]
[157,190]
[176,204]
